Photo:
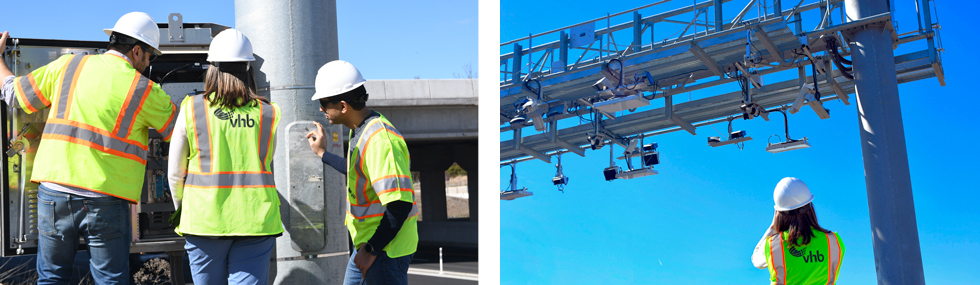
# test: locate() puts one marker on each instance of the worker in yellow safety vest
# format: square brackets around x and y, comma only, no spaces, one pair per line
[381,213]
[91,160]
[220,170]
[795,248]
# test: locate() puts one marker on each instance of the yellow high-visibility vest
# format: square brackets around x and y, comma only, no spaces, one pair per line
[377,174]
[95,136]
[229,189]
[815,263]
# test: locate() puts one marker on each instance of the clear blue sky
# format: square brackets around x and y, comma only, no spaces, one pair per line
[431,39]
[698,221]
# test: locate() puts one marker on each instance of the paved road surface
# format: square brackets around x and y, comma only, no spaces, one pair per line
[460,266]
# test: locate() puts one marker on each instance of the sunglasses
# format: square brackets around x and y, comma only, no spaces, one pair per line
[148,50]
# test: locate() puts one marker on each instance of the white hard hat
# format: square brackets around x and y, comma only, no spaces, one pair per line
[139,26]
[791,193]
[335,78]
[229,46]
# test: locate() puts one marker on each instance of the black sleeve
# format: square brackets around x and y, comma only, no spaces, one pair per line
[335,161]
[395,216]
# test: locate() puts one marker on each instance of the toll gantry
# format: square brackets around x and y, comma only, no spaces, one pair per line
[619,80]
[595,73]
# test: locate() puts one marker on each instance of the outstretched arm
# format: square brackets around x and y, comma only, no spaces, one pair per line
[4,70]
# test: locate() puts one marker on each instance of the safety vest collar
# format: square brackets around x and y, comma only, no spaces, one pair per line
[121,56]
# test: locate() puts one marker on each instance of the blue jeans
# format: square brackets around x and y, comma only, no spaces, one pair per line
[224,261]
[384,270]
[103,223]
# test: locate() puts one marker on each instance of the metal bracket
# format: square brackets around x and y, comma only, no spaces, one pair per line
[745,72]
[527,150]
[768,44]
[703,56]
[669,113]
[175,27]
[834,85]
[552,135]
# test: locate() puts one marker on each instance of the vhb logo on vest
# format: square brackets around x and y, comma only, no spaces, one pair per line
[222,115]
[795,252]
[813,258]
[810,257]
[238,121]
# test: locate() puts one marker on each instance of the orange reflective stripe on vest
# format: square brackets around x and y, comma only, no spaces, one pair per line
[834,256]
[778,259]
[231,179]
[265,132]
[68,83]
[392,183]
[95,138]
[137,95]
[203,136]
[27,91]
[371,210]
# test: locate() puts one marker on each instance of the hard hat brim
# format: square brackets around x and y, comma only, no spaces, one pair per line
[220,59]
[794,207]
[322,95]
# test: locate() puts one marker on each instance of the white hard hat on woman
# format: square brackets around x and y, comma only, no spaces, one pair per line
[795,241]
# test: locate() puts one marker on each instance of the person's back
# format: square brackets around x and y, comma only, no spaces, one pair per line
[813,263]
[91,160]
[796,249]
[99,105]
[229,148]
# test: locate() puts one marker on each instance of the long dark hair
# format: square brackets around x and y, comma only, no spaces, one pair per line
[798,223]
[232,90]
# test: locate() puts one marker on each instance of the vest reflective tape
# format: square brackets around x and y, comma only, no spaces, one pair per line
[367,211]
[392,183]
[360,183]
[230,180]
[203,137]
[68,85]
[777,259]
[265,132]
[360,191]
[138,92]
[95,138]
[415,207]
[27,92]
[834,256]
[168,129]
[376,210]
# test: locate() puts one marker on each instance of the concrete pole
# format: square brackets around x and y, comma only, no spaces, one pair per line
[898,259]
[291,41]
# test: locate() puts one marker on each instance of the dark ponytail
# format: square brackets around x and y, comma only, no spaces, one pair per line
[798,222]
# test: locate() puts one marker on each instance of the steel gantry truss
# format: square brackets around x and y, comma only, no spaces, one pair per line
[540,85]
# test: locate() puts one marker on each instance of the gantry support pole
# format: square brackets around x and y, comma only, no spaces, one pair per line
[898,259]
